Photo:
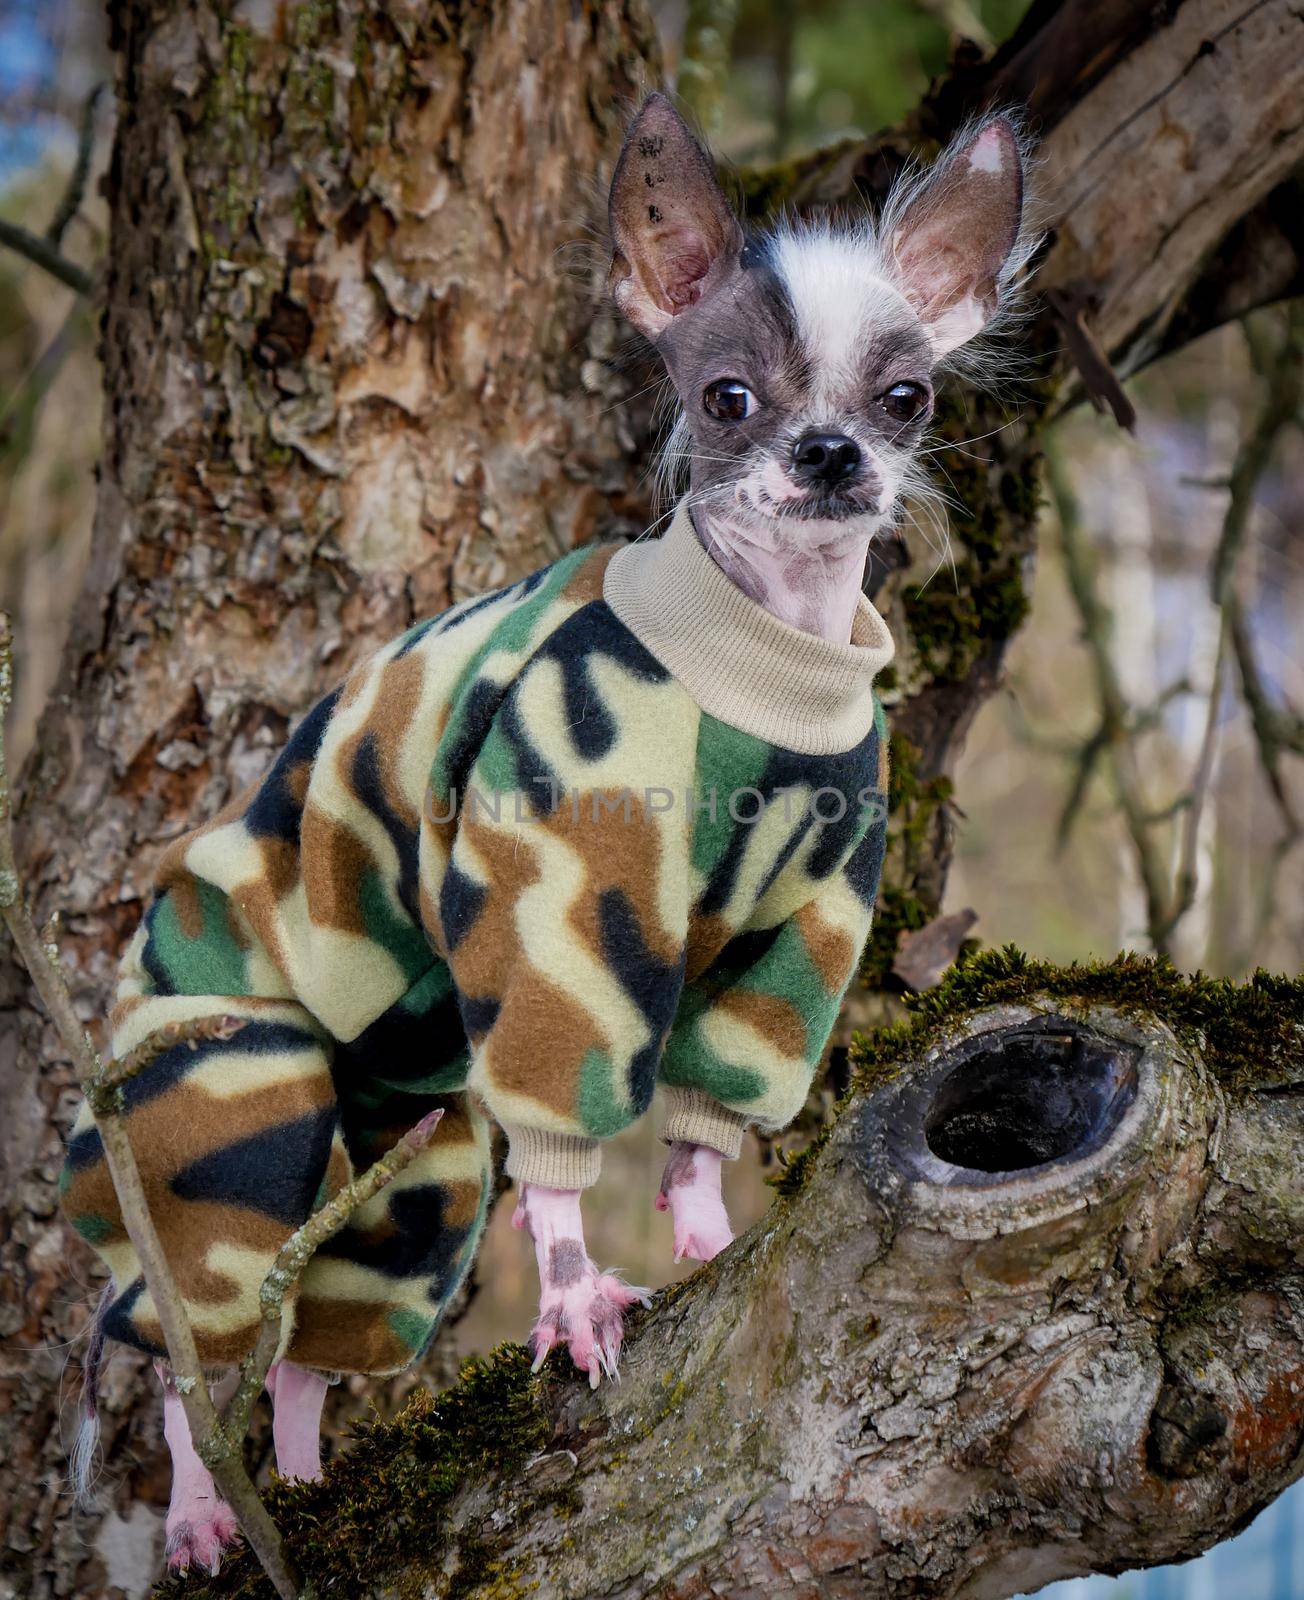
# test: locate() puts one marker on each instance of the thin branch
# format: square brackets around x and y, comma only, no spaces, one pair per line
[1085,760]
[41,961]
[1116,717]
[1284,387]
[104,1092]
[28,393]
[73,195]
[44,254]
[295,1254]
[1187,879]
[1276,731]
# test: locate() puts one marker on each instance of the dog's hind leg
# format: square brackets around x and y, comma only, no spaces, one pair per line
[297,1398]
[201,1527]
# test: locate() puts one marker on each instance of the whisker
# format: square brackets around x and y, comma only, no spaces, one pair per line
[978,438]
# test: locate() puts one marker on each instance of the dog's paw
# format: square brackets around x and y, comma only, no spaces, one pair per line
[584,1309]
[703,1237]
[199,1536]
[690,1192]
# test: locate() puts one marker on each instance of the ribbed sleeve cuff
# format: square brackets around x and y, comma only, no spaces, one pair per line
[699,1118]
[552,1160]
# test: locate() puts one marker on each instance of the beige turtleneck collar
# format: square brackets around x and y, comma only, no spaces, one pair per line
[740,663]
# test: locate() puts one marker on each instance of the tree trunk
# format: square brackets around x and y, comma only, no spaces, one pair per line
[349,378]
[1032,1310]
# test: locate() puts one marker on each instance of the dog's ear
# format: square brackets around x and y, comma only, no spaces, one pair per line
[957,233]
[674,237]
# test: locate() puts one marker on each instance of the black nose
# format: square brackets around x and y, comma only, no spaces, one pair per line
[825,458]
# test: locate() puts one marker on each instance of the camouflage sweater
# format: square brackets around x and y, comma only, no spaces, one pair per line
[611,826]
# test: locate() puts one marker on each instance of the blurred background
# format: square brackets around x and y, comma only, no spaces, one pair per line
[1124,751]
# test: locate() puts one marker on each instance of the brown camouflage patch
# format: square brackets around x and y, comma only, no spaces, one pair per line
[585,583]
[335,861]
[707,937]
[773,1019]
[830,948]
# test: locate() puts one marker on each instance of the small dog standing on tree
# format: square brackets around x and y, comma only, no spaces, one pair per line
[619,824]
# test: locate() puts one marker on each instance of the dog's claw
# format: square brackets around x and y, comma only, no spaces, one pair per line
[584,1315]
[201,1541]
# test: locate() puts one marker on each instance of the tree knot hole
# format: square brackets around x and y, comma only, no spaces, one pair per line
[1026,1096]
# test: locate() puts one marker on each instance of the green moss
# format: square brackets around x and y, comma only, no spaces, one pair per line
[913,805]
[381,1510]
[770,188]
[1249,1034]
[978,599]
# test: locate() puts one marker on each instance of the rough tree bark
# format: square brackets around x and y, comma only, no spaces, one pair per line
[348,378]
[916,1379]
[1032,1310]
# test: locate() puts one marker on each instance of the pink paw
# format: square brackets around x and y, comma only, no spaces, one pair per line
[701,1237]
[690,1192]
[583,1309]
[579,1306]
[199,1536]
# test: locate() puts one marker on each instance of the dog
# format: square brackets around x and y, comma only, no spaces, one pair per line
[618,825]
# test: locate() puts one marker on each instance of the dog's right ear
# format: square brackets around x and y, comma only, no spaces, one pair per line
[674,237]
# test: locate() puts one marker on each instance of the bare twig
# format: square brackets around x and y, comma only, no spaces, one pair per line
[1277,731]
[41,961]
[1101,382]
[295,1254]
[73,195]
[1114,732]
[1187,879]
[104,1092]
[44,254]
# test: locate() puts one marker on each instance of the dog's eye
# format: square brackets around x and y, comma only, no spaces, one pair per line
[728,400]
[903,402]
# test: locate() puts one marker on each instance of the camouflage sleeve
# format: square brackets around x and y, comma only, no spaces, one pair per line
[563,924]
[752,1028]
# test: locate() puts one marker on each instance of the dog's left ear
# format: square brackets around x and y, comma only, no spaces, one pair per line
[674,237]
[954,239]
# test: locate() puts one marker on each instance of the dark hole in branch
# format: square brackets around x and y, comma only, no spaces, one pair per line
[1021,1097]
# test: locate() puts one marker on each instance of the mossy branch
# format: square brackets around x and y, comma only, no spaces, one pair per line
[896,1321]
